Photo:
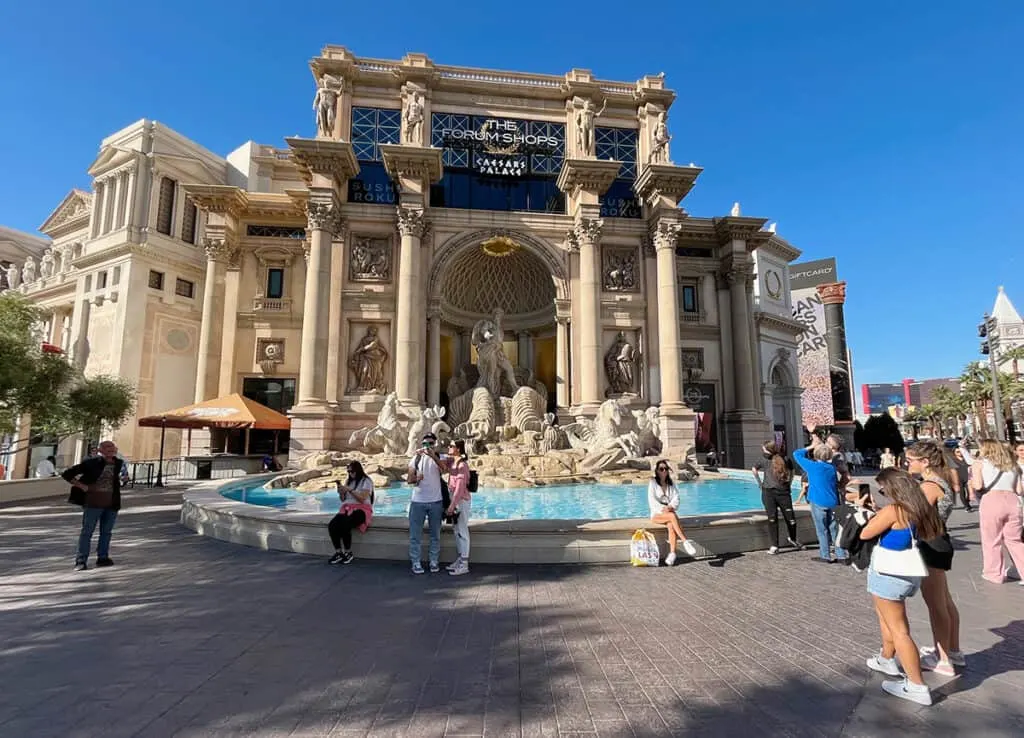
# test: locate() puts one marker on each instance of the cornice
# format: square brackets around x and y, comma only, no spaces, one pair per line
[413,162]
[133,249]
[772,320]
[325,157]
[665,180]
[587,175]
[222,199]
[741,228]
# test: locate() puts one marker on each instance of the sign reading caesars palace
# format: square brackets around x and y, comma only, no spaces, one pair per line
[340,277]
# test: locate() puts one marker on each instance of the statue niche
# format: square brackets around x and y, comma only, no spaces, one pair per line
[367,364]
[619,366]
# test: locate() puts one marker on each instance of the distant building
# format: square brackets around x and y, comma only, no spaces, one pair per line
[1010,332]
[910,393]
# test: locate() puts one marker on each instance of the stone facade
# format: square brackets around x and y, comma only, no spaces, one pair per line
[426,198]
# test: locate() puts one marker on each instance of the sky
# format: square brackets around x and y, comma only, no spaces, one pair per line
[886,134]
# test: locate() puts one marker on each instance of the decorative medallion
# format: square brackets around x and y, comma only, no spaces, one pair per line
[269,353]
[773,284]
[499,246]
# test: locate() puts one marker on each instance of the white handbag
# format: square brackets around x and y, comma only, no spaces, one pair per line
[905,563]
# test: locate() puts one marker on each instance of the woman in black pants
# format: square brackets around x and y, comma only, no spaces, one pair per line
[356,512]
[776,493]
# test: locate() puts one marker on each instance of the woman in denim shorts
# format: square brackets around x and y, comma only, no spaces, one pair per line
[896,525]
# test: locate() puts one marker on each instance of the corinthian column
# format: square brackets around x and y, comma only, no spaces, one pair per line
[219,251]
[833,296]
[664,236]
[743,363]
[434,357]
[411,226]
[562,396]
[587,236]
[324,220]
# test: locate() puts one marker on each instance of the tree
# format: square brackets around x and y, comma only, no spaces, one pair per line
[45,385]
[881,431]
[858,437]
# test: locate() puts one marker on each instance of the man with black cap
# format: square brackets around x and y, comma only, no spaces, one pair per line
[426,503]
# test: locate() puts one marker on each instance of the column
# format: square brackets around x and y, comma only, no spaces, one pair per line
[324,218]
[411,226]
[334,383]
[664,236]
[109,204]
[80,353]
[119,194]
[465,348]
[743,364]
[97,210]
[833,296]
[229,328]
[562,360]
[434,358]
[523,346]
[588,236]
[218,251]
[129,208]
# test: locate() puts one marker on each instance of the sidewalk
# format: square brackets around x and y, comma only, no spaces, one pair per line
[193,637]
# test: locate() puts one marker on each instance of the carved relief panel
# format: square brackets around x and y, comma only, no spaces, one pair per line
[619,270]
[370,259]
[269,354]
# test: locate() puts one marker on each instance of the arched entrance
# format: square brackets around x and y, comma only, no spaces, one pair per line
[484,273]
[782,401]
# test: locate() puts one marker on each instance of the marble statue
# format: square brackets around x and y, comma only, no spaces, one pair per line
[367,364]
[619,363]
[735,212]
[607,438]
[370,260]
[553,438]
[412,118]
[648,424]
[430,420]
[659,140]
[620,272]
[388,435]
[46,264]
[585,115]
[481,422]
[13,276]
[325,103]
[28,272]
[494,366]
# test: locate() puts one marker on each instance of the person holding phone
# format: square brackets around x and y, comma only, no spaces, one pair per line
[424,475]
[663,501]
[356,496]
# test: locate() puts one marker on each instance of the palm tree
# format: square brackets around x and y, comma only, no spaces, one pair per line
[951,406]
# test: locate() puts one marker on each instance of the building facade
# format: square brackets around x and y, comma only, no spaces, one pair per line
[321,276]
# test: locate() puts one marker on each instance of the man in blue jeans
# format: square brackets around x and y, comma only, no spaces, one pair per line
[822,492]
[96,486]
[426,504]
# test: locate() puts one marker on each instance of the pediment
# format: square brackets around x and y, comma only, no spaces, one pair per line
[73,208]
[110,158]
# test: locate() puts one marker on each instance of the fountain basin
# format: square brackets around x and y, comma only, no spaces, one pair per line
[208,511]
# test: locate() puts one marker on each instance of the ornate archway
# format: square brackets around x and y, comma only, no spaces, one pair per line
[782,399]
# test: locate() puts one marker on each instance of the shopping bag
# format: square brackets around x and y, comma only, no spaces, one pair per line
[643,549]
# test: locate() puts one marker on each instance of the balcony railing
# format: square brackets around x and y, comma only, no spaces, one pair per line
[700,317]
[271,305]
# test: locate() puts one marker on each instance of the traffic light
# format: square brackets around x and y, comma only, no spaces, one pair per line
[983,329]
[984,348]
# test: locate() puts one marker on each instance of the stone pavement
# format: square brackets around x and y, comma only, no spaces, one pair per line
[188,636]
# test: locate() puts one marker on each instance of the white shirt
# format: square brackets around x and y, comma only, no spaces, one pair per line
[429,489]
[45,468]
[999,481]
[365,485]
[656,494]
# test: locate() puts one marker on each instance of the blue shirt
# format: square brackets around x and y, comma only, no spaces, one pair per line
[823,488]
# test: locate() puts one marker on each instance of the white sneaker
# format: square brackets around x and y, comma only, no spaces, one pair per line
[931,662]
[794,544]
[454,565]
[907,690]
[462,568]
[690,549]
[773,550]
[670,559]
[956,658]
[889,667]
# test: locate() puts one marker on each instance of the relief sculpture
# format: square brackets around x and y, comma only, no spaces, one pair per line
[620,273]
[367,364]
[370,260]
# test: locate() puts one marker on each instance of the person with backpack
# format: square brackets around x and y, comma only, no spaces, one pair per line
[457,466]
[426,504]
[776,493]
[356,512]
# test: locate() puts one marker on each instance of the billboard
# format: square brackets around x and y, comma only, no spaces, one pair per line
[812,349]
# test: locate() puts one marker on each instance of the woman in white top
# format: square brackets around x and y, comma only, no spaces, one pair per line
[356,512]
[997,478]
[663,500]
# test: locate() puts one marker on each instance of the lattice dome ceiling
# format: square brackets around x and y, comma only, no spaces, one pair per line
[516,281]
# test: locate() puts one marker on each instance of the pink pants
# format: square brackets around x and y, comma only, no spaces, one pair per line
[1000,519]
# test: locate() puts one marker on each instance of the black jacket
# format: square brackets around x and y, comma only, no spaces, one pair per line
[87,473]
[851,521]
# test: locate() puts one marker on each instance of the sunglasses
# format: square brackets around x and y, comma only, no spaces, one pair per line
[661,468]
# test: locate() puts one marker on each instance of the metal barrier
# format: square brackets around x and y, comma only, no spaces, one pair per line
[143,473]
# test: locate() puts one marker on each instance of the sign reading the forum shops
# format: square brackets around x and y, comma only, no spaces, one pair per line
[812,349]
[499,146]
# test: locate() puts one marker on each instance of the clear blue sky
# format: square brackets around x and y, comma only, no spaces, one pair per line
[887,134]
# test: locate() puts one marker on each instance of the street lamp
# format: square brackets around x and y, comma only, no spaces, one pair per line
[160,464]
[988,331]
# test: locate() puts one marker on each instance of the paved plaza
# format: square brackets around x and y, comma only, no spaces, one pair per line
[189,636]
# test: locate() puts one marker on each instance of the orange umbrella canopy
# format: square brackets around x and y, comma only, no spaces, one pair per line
[230,411]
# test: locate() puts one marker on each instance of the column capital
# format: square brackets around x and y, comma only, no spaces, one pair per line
[412,222]
[664,234]
[325,215]
[586,231]
[832,294]
[738,273]
[223,250]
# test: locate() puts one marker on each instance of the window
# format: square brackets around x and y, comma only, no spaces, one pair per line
[275,231]
[277,394]
[184,288]
[690,302]
[101,280]
[165,206]
[117,276]
[188,223]
[88,283]
[156,280]
[619,144]
[275,283]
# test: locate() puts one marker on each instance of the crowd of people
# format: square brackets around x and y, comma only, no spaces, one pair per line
[896,530]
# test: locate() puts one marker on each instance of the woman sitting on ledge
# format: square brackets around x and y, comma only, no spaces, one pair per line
[663,499]
[356,512]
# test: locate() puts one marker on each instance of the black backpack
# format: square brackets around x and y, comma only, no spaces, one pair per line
[474,481]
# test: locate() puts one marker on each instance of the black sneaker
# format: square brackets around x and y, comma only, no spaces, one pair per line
[81,566]
[338,558]
[347,557]
[104,562]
